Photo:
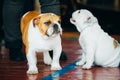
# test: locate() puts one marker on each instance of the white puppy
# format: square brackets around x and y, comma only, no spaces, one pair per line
[98,47]
[41,33]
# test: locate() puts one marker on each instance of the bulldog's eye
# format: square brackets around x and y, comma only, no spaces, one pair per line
[47,23]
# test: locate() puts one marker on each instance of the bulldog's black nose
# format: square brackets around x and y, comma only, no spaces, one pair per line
[55,26]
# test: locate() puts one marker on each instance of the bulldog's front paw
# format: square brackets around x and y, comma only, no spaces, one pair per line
[48,61]
[86,66]
[32,70]
[79,63]
[55,66]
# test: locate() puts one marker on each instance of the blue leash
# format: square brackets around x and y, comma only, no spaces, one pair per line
[59,73]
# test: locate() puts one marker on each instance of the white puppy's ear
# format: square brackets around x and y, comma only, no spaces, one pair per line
[91,19]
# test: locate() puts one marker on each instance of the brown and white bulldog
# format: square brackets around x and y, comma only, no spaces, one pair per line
[41,33]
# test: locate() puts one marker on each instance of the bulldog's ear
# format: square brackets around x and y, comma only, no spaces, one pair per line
[36,21]
[91,19]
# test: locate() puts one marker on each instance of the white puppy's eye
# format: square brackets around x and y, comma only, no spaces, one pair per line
[79,11]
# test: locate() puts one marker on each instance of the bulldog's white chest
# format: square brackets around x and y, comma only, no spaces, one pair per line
[39,43]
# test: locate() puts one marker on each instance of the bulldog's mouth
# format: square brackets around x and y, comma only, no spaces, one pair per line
[52,31]
[56,29]
[56,32]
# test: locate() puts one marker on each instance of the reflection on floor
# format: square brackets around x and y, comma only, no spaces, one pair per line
[11,70]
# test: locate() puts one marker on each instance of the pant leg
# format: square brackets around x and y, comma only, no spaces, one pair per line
[1,20]
[52,6]
[12,12]
[29,5]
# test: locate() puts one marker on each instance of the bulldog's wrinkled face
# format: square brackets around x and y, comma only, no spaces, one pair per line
[48,24]
[82,17]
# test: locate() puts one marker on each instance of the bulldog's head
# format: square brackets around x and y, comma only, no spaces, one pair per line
[82,18]
[48,24]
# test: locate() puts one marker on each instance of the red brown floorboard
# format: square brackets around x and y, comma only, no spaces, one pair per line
[12,70]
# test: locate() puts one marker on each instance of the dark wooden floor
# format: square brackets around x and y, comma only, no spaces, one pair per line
[11,70]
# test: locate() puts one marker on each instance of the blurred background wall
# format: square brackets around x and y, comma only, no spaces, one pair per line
[107,12]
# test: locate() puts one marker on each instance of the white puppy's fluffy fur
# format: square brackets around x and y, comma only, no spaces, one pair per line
[98,47]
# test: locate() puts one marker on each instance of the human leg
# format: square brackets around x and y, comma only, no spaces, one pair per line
[12,12]
[1,21]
